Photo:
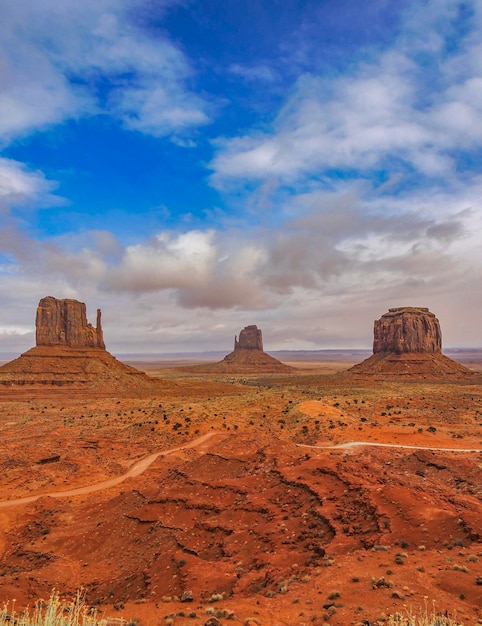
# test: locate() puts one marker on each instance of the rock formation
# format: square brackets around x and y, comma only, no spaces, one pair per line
[407,329]
[70,352]
[408,343]
[64,323]
[250,338]
[248,357]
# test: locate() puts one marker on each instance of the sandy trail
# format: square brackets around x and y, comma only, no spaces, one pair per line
[135,470]
[140,466]
[354,444]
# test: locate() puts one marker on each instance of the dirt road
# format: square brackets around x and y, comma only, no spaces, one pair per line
[140,466]
[354,444]
[135,470]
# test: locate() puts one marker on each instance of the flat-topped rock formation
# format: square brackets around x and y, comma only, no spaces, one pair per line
[250,338]
[64,323]
[407,329]
[248,357]
[408,343]
[70,352]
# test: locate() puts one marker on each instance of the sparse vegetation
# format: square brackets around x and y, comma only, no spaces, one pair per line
[54,612]
[271,495]
[424,618]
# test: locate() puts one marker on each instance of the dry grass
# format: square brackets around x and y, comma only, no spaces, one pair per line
[58,612]
[424,618]
[53,612]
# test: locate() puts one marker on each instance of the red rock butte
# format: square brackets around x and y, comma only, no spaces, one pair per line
[70,352]
[248,355]
[250,338]
[64,323]
[408,343]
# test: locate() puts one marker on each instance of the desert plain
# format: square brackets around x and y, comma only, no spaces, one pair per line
[245,498]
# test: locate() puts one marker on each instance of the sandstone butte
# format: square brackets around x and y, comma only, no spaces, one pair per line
[407,343]
[70,351]
[248,357]
[64,323]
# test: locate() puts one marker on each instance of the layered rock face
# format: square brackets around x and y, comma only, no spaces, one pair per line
[70,353]
[248,357]
[64,323]
[408,344]
[407,329]
[250,338]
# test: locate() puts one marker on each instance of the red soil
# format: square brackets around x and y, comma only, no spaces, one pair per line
[246,520]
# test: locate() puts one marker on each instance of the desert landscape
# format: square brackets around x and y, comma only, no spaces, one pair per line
[312,494]
[232,237]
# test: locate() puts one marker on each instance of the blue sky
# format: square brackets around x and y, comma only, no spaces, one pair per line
[191,167]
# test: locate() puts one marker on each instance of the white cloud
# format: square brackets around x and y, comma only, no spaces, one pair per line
[165,262]
[62,60]
[156,110]
[19,186]
[235,280]
[316,281]
[325,263]
[342,242]
[401,109]
[257,73]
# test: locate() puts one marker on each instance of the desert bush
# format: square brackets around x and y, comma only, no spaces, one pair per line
[53,612]
[460,568]
[423,618]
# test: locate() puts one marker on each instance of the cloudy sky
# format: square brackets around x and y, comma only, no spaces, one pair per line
[194,166]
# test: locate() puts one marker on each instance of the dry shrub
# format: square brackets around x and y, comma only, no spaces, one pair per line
[423,618]
[53,612]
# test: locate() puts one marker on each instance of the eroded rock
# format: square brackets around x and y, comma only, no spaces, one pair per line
[70,352]
[64,323]
[407,343]
[248,357]
[250,338]
[407,329]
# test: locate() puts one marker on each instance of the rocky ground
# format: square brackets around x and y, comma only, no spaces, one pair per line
[260,518]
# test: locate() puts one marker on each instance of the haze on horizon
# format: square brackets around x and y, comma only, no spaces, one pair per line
[194,167]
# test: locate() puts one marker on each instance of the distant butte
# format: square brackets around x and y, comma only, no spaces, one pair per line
[248,355]
[69,352]
[408,344]
[250,338]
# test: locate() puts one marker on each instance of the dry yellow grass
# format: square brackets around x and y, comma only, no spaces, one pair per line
[53,612]
[425,618]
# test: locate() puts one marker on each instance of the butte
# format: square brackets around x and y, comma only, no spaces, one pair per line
[70,353]
[407,344]
[248,357]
